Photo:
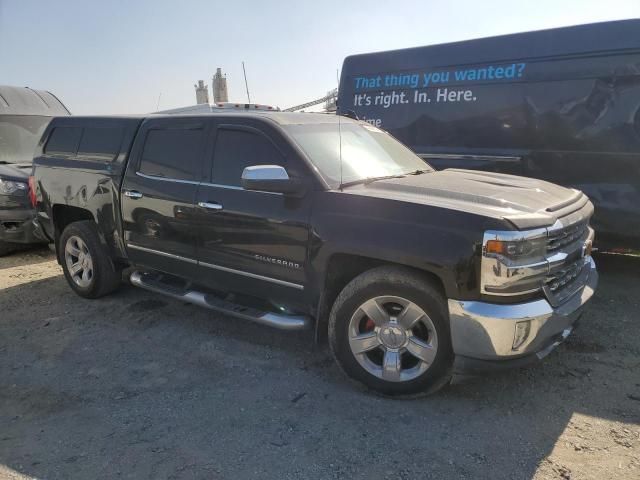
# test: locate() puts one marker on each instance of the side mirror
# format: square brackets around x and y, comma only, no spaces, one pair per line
[270,178]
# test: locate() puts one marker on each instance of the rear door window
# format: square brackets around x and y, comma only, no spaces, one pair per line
[237,149]
[64,140]
[103,142]
[172,153]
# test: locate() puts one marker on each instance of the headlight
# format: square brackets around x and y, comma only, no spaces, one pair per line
[8,187]
[513,263]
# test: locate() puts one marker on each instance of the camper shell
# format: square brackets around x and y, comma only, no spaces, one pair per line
[24,115]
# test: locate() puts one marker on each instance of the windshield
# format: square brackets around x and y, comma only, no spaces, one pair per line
[367,152]
[19,135]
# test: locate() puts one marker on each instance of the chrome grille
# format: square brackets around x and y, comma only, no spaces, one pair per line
[563,283]
[569,267]
[562,237]
[564,277]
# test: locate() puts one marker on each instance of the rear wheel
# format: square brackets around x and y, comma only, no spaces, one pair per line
[388,330]
[85,261]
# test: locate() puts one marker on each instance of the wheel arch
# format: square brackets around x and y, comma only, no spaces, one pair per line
[341,268]
[105,275]
[65,215]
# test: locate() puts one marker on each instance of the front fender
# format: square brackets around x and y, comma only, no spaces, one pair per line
[441,241]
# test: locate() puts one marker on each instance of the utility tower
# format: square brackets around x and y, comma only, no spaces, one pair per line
[220,93]
[202,92]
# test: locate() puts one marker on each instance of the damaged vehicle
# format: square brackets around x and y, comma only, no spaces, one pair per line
[316,221]
[24,114]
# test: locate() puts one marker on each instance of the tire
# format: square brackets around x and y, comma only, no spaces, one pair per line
[85,261]
[405,344]
[6,248]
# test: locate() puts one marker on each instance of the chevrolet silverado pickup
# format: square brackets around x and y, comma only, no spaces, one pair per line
[298,220]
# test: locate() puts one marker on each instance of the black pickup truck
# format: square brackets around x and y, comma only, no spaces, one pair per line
[316,221]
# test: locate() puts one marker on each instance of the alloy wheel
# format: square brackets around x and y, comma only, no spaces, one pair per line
[79,261]
[392,338]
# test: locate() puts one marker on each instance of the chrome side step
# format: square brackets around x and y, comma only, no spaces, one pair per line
[213,302]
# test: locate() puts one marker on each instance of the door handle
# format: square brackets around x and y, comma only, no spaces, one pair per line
[210,206]
[132,194]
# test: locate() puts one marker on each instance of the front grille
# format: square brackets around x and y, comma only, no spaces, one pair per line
[564,282]
[558,239]
[565,277]
[569,268]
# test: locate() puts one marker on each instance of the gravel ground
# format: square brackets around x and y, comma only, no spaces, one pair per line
[140,386]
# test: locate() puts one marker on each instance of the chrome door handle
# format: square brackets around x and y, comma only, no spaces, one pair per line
[132,194]
[210,206]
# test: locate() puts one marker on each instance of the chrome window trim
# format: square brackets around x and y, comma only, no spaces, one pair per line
[193,182]
[166,179]
[219,185]
[217,267]
[235,187]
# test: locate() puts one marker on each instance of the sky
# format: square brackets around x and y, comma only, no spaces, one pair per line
[116,57]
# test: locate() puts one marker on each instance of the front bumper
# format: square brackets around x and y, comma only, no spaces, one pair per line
[19,226]
[483,333]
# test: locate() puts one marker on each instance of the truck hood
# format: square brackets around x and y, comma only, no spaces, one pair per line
[524,202]
[18,172]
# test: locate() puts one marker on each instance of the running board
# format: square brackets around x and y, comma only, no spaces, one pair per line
[213,302]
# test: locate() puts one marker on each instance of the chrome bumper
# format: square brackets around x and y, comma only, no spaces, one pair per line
[486,331]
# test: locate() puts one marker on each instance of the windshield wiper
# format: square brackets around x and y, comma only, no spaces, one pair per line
[368,180]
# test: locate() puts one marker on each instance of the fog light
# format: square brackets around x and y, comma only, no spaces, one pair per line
[522,333]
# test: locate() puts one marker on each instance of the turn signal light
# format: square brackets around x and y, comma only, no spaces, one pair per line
[32,191]
[496,246]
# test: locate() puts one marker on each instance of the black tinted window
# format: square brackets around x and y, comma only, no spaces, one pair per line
[100,142]
[64,140]
[237,149]
[172,154]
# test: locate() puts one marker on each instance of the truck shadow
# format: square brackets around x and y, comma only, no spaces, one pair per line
[142,386]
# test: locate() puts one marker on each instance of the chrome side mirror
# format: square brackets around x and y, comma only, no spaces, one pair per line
[269,178]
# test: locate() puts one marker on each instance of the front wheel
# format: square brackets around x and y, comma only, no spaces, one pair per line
[388,330]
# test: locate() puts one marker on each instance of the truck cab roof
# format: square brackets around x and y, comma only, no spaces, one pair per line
[280,118]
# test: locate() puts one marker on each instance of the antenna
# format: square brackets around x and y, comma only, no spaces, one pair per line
[245,82]
[339,127]
[158,104]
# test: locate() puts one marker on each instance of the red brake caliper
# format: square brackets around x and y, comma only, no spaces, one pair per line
[369,325]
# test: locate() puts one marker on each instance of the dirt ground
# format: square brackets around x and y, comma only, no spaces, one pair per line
[140,386]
